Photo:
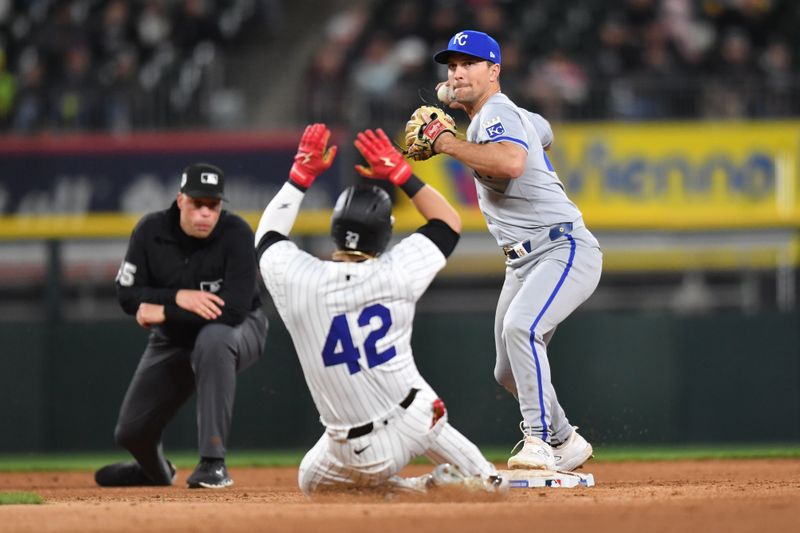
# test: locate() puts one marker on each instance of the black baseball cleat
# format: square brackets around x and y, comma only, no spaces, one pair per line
[128,474]
[210,474]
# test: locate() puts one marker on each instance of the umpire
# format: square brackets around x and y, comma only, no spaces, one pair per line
[190,277]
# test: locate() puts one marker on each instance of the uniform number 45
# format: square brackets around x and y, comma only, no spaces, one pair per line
[339,337]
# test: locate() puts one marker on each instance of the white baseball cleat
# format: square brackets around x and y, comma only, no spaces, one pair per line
[572,453]
[535,454]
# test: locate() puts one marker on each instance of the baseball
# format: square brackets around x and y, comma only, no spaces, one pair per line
[444,94]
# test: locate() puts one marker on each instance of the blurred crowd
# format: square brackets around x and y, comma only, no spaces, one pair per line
[567,59]
[111,65]
[116,65]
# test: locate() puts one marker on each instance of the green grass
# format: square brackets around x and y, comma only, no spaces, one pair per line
[43,462]
[699,452]
[34,462]
[20,498]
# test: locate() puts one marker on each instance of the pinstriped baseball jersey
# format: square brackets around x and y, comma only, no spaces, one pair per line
[513,208]
[351,324]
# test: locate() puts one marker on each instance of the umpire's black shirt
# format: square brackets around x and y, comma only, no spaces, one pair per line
[162,259]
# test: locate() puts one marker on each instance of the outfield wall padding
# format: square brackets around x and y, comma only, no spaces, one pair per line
[623,377]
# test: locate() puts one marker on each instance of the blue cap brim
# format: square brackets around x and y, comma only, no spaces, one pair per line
[441,57]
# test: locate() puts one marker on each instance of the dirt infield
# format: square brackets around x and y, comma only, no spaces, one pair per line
[730,496]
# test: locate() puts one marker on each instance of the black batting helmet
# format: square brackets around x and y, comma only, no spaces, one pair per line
[362,219]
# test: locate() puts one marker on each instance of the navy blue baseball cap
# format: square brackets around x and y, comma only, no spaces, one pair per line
[473,43]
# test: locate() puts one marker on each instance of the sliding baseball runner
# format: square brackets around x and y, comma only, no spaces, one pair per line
[350,320]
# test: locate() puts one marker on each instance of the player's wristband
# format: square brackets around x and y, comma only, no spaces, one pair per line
[412,185]
[297,185]
[300,178]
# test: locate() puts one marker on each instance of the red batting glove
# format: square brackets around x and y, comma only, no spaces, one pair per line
[385,162]
[313,157]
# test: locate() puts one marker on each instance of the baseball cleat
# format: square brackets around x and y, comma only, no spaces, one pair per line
[447,475]
[128,474]
[496,483]
[535,454]
[572,453]
[210,474]
[418,484]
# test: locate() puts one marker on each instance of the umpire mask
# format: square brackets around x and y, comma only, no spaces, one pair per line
[362,220]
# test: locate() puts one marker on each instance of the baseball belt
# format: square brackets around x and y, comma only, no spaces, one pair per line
[523,248]
[366,429]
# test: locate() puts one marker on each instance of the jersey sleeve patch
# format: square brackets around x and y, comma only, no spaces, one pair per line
[493,128]
[496,132]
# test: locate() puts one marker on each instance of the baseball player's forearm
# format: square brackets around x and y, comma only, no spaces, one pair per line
[281,212]
[432,205]
[499,159]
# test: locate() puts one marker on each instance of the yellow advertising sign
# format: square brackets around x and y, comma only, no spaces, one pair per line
[677,175]
[665,175]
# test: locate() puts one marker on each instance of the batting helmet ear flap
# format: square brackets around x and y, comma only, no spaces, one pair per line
[362,220]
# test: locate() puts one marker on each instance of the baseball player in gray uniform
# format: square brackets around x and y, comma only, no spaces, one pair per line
[553,261]
[350,320]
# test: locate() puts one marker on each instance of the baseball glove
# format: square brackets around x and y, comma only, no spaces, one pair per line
[422,130]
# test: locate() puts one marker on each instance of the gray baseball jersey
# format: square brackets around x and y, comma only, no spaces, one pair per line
[351,326]
[554,262]
[513,208]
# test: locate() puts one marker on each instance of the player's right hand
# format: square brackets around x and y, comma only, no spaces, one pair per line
[313,155]
[453,104]
[384,161]
[205,304]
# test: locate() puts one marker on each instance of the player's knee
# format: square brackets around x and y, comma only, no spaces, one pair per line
[505,378]
[306,481]
[514,328]
[214,345]
[215,335]
[128,436]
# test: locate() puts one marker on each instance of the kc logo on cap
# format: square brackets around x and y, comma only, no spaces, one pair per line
[473,43]
[460,38]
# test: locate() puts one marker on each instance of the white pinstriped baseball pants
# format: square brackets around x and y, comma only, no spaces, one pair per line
[388,448]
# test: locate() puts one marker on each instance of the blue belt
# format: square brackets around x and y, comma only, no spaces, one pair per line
[521,249]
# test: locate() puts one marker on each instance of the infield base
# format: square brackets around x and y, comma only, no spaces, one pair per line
[536,479]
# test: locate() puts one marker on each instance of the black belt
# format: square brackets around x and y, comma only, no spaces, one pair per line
[521,249]
[366,429]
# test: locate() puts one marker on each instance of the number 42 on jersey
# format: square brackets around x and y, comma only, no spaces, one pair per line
[339,347]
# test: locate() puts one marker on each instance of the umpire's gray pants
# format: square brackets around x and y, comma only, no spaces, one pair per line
[167,376]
